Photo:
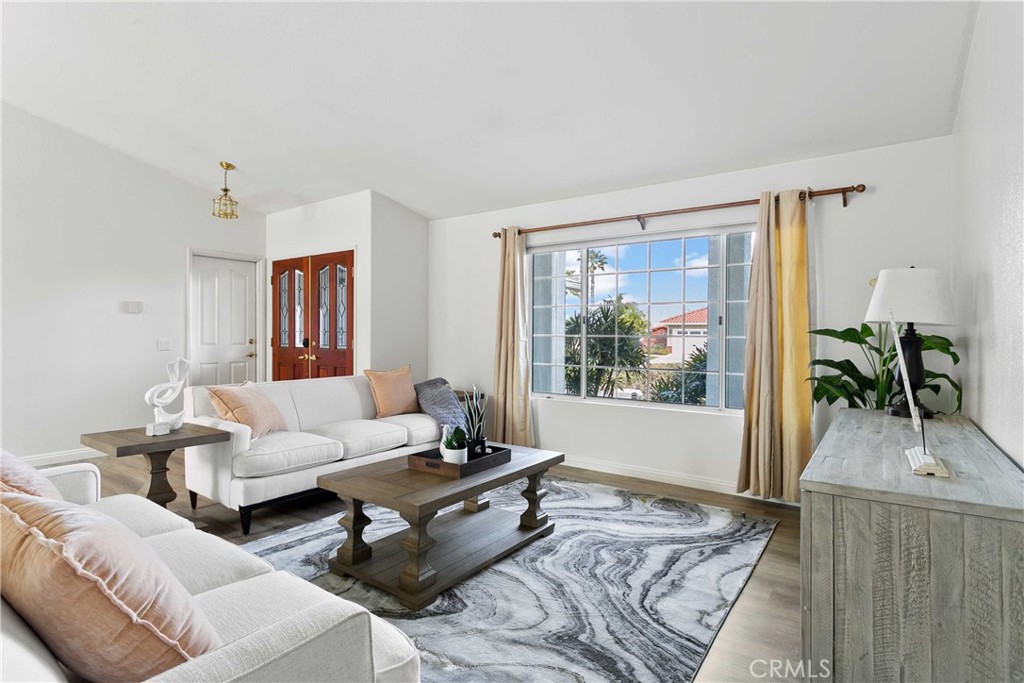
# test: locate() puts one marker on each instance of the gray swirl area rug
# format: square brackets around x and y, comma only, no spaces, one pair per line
[629,587]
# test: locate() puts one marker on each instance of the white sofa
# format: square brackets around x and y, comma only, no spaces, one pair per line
[275,626]
[331,427]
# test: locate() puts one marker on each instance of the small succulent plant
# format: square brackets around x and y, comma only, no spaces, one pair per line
[454,439]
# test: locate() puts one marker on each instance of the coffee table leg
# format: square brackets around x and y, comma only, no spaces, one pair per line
[418,574]
[534,517]
[476,504]
[159,490]
[354,550]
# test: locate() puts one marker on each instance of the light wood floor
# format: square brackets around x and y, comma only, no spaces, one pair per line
[763,624]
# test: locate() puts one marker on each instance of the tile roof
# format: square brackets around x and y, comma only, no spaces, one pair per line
[695,317]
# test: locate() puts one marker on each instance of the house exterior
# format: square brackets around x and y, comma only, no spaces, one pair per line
[679,336]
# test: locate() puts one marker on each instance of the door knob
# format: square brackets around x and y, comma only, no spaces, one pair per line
[251,354]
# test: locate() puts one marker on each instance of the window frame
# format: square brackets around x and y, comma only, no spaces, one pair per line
[584,302]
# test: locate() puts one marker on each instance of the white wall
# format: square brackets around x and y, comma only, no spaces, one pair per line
[903,219]
[337,224]
[390,243]
[987,242]
[86,228]
[399,299]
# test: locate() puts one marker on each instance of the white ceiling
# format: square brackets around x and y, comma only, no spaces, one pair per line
[459,108]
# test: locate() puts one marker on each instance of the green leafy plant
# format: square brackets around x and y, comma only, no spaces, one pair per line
[454,439]
[876,388]
[615,328]
[689,387]
[474,410]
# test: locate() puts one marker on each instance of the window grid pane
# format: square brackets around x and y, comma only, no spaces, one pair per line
[654,328]
[739,251]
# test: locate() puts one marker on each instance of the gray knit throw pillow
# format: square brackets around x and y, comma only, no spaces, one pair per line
[437,400]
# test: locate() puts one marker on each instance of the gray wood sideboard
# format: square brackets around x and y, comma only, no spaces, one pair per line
[905,577]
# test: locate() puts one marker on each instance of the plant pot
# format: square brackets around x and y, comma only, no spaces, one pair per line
[477,447]
[457,456]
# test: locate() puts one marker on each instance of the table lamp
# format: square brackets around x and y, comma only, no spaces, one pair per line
[915,296]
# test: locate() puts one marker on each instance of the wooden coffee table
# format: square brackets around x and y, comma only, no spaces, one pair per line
[458,544]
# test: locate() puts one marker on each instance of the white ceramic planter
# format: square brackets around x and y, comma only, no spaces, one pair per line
[457,456]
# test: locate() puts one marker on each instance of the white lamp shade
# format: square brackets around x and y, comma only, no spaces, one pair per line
[915,295]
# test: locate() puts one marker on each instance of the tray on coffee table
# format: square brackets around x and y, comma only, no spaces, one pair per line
[432,463]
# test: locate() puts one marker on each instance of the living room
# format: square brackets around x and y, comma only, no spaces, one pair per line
[460,163]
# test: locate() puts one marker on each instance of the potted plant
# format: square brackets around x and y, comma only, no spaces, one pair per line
[476,421]
[453,445]
[876,388]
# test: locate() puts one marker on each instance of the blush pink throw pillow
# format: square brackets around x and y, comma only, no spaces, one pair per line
[247,405]
[18,476]
[95,593]
[393,391]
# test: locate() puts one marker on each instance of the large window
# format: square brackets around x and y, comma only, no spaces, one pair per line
[643,321]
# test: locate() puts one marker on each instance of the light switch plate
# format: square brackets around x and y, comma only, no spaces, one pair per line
[163,344]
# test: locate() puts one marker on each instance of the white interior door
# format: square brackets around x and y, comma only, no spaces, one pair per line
[222,329]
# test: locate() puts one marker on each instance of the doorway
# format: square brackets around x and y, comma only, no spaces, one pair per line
[312,316]
[223,304]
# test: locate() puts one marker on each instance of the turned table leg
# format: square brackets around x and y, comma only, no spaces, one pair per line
[534,517]
[418,574]
[354,550]
[476,504]
[159,490]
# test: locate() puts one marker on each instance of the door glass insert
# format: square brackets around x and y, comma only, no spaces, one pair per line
[342,285]
[324,308]
[284,306]
[300,318]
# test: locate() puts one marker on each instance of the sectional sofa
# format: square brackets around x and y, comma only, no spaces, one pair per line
[273,625]
[332,426]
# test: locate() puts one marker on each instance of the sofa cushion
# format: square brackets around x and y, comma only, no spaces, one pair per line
[364,437]
[96,594]
[248,405]
[237,609]
[324,400]
[285,452]
[202,562]
[18,476]
[141,515]
[393,391]
[421,428]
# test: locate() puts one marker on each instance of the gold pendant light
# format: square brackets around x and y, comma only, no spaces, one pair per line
[224,205]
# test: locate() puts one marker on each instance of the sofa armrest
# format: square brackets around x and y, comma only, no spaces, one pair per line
[329,641]
[241,435]
[78,483]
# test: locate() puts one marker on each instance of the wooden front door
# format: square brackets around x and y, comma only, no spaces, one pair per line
[312,304]
[330,278]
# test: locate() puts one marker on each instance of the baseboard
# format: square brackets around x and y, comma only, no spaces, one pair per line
[61,457]
[692,481]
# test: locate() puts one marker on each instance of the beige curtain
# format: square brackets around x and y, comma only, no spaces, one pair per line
[777,412]
[512,345]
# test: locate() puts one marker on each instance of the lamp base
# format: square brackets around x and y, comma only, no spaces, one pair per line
[901,408]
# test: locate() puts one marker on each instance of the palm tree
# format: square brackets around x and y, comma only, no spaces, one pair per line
[596,261]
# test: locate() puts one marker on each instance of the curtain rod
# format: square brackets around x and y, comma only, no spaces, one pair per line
[642,217]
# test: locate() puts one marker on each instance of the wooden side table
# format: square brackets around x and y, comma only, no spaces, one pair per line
[157,450]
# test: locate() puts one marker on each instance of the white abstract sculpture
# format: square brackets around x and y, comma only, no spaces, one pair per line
[162,395]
